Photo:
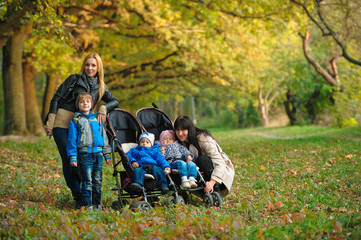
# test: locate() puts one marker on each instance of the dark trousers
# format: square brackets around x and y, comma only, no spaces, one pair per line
[71,174]
[205,165]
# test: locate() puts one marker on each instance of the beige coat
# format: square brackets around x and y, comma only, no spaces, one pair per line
[223,168]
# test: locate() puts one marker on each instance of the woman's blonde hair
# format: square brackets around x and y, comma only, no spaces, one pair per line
[100,72]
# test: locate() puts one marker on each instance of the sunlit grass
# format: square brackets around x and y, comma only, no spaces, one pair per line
[291,182]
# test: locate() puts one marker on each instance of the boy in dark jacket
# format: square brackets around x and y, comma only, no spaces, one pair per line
[146,158]
[88,143]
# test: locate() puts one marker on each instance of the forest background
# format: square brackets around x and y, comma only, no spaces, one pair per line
[225,63]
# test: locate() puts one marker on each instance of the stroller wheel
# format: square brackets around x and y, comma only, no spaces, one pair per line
[179,200]
[170,200]
[142,206]
[208,200]
[217,199]
[117,206]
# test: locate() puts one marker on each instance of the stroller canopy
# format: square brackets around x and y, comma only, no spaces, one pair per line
[124,126]
[154,121]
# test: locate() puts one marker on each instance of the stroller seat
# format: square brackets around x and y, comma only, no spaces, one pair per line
[126,147]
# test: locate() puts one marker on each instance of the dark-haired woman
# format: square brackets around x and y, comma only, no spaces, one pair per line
[215,165]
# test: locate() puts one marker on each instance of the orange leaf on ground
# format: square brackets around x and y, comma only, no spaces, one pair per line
[270,207]
[337,226]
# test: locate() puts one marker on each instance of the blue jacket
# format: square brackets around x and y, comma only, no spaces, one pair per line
[86,135]
[147,156]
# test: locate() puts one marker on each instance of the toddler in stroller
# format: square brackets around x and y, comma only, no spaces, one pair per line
[146,158]
[180,158]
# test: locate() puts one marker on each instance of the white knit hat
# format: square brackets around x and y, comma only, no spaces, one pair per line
[149,136]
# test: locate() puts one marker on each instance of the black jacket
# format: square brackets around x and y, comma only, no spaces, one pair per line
[81,86]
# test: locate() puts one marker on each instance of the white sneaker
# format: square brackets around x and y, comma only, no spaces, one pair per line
[185,184]
[193,184]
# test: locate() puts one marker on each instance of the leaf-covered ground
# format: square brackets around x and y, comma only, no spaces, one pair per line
[290,183]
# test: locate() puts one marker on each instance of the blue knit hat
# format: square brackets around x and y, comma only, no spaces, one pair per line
[149,136]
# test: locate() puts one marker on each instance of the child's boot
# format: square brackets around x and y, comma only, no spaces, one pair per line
[185,184]
[192,182]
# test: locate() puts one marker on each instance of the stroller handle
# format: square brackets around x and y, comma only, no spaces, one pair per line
[155,105]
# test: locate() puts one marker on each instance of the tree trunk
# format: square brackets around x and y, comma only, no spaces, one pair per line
[193,107]
[33,119]
[324,73]
[310,104]
[175,109]
[15,118]
[291,107]
[51,85]
[264,108]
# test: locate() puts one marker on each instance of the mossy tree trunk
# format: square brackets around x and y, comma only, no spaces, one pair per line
[33,120]
[51,84]
[15,118]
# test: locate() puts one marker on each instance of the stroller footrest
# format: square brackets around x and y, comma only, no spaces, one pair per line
[149,176]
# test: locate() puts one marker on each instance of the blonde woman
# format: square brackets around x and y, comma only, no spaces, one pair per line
[62,109]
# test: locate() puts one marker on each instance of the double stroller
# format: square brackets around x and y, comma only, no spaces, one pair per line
[123,130]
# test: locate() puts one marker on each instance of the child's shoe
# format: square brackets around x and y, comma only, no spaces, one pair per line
[185,184]
[193,183]
[164,190]
[136,188]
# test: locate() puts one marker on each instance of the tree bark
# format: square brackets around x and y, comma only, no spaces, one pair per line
[291,107]
[33,120]
[324,73]
[15,118]
[264,108]
[12,20]
[51,85]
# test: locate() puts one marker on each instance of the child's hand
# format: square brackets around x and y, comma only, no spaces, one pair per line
[189,158]
[162,150]
[167,170]
[107,161]
[74,164]
[135,165]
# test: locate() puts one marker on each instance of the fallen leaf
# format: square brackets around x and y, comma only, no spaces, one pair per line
[337,226]
[270,207]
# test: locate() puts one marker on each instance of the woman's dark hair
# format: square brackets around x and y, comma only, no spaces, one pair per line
[185,122]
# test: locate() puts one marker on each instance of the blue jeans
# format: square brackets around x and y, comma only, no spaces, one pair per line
[158,173]
[187,169]
[91,165]
[71,174]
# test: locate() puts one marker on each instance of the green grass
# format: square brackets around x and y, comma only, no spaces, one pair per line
[290,183]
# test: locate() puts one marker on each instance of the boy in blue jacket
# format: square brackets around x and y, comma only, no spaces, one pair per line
[146,158]
[88,143]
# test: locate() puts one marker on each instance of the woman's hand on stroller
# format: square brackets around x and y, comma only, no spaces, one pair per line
[209,186]
[101,118]
[135,165]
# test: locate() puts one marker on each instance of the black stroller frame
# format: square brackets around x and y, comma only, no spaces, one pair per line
[124,129]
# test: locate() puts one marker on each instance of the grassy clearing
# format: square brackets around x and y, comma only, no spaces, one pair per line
[291,182]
